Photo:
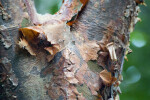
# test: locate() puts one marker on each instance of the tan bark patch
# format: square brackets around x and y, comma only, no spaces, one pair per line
[89,50]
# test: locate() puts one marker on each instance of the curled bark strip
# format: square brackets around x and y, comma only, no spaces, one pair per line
[112,52]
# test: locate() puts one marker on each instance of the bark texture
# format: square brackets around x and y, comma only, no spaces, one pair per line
[78,62]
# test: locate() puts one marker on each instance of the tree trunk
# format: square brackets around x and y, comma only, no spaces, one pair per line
[62,59]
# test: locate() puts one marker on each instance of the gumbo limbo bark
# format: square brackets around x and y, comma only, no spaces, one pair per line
[75,54]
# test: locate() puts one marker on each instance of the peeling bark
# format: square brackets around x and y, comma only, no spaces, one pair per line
[65,60]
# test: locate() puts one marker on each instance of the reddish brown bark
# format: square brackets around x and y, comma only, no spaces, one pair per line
[78,62]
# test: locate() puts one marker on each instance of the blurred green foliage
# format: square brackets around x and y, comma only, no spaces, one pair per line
[47,6]
[135,85]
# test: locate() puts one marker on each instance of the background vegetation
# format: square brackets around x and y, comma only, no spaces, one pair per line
[136,73]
